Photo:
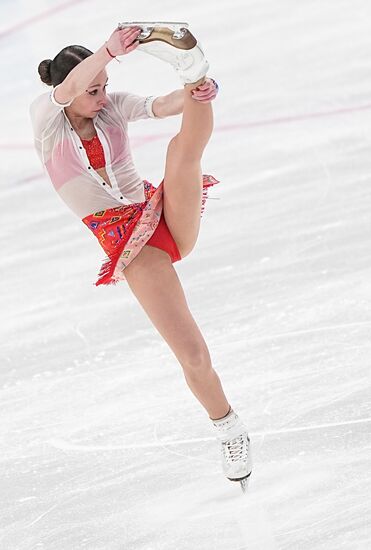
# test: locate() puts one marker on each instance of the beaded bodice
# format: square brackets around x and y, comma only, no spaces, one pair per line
[94,150]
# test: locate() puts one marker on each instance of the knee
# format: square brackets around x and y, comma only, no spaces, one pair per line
[196,361]
[182,150]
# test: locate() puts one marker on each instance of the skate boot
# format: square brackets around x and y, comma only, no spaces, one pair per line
[235,448]
[175,44]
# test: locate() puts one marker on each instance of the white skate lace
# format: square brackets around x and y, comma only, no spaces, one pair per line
[235,450]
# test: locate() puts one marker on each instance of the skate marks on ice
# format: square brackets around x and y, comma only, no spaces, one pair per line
[196,507]
[216,502]
[202,514]
[65,445]
[254,525]
[209,509]
[276,483]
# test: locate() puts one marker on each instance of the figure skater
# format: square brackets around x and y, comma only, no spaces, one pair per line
[81,138]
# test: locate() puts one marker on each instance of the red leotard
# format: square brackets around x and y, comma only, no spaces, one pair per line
[161,237]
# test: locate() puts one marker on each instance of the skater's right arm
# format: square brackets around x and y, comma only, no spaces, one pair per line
[47,107]
[121,42]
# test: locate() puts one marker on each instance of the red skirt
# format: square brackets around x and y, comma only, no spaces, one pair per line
[124,230]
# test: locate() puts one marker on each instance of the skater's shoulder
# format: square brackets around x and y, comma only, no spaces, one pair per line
[47,98]
[39,100]
[46,112]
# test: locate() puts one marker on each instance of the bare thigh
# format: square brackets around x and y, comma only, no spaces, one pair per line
[155,283]
[183,176]
[182,196]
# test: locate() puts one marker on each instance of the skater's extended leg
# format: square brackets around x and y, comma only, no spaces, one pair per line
[155,283]
[183,176]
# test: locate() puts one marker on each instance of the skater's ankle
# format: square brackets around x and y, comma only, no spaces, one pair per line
[194,85]
[221,418]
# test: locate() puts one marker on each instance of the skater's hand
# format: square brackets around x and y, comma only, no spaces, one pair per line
[123,41]
[205,92]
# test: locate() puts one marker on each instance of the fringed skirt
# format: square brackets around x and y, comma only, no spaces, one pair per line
[124,230]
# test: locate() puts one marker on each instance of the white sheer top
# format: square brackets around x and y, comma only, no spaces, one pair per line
[66,162]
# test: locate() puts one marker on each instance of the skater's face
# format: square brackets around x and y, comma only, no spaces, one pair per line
[90,102]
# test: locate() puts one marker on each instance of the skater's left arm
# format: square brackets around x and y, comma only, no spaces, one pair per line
[172,104]
[168,105]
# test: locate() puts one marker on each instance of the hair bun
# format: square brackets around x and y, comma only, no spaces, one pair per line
[44,71]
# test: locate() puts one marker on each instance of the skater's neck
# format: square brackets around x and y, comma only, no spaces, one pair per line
[84,127]
[79,123]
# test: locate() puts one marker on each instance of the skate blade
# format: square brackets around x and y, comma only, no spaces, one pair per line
[162,34]
[178,29]
[244,482]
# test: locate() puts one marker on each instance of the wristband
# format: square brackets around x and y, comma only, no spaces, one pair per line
[215,84]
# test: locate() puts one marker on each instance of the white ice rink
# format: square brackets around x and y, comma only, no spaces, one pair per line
[104,447]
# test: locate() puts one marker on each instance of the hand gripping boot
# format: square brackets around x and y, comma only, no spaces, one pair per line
[174,44]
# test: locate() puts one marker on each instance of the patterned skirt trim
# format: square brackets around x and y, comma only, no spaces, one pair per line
[124,230]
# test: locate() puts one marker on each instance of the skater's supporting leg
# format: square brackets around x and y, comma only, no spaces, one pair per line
[155,283]
[183,176]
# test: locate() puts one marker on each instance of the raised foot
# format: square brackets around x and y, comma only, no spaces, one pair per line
[175,44]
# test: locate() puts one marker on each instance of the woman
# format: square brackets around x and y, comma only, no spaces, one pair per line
[81,138]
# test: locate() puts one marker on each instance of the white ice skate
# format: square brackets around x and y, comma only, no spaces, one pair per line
[235,448]
[175,44]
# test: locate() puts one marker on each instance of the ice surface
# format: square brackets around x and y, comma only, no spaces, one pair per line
[103,445]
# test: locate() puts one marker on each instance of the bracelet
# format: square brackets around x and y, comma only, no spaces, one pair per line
[113,56]
[215,84]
